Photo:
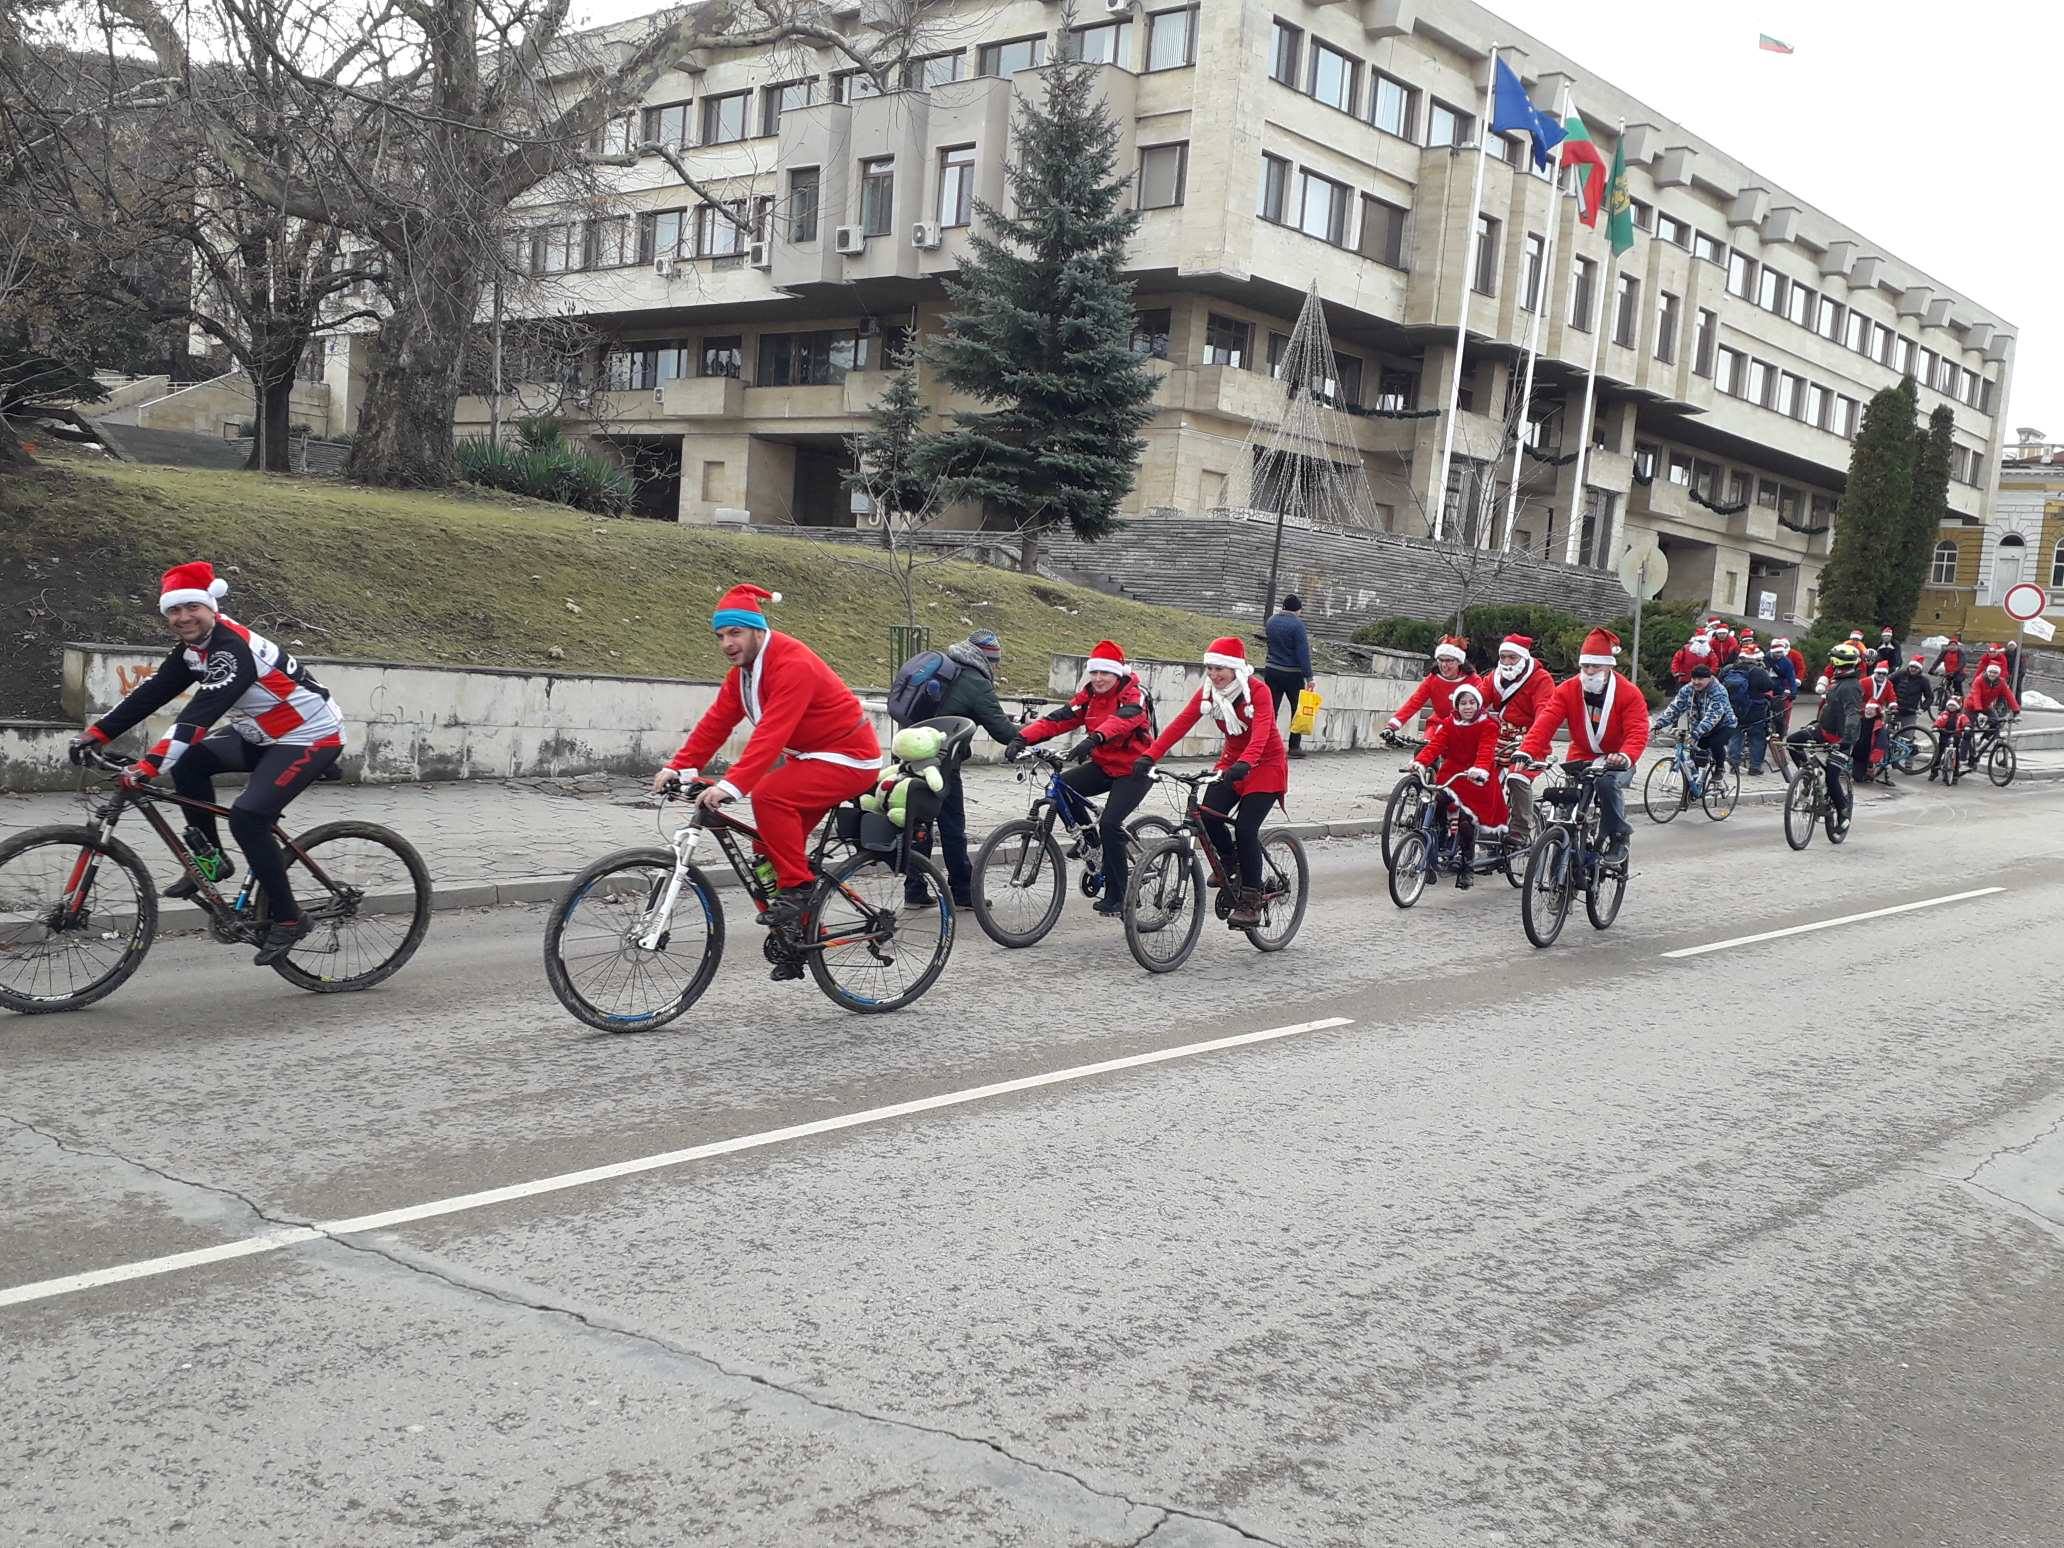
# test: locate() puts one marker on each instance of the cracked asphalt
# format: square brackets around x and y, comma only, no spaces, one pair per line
[1583,1246]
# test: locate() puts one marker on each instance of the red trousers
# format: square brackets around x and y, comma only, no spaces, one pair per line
[790,802]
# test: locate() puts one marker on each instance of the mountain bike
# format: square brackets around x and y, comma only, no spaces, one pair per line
[1421,857]
[1908,748]
[1021,868]
[1808,804]
[1408,797]
[78,909]
[635,939]
[1673,784]
[1990,747]
[1566,860]
[1164,900]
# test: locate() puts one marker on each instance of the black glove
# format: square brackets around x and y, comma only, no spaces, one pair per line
[1142,765]
[1015,749]
[1238,771]
[1094,739]
[81,747]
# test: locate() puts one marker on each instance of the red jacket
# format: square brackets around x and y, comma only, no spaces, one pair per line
[1951,658]
[1436,690]
[1682,663]
[1516,704]
[1994,658]
[1725,648]
[1451,749]
[1625,716]
[1260,746]
[1798,661]
[1879,698]
[1962,722]
[798,707]
[1984,695]
[1121,715]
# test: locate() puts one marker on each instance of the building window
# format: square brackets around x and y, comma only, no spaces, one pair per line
[723,118]
[1007,59]
[1448,126]
[1791,395]
[1275,188]
[1392,105]
[1816,406]
[1680,469]
[1626,310]
[1498,147]
[717,233]
[1881,343]
[1645,458]
[610,244]
[721,356]
[1727,370]
[1150,333]
[1741,275]
[1105,43]
[1705,478]
[1334,77]
[1644,214]
[1225,341]
[1702,341]
[1768,493]
[1760,386]
[785,98]
[642,367]
[659,234]
[1828,324]
[850,86]
[2056,564]
[1708,248]
[802,205]
[1397,389]
[937,69]
[1770,291]
[1485,280]
[1163,170]
[1856,331]
[956,185]
[807,359]
[1903,355]
[555,249]
[1530,281]
[666,124]
[1284,43]
[1943,570]
[613,138]
[877,195]
[1383,232]
[1322,208]
[1799,305]
[1172,39]
[1666,327]
[1670,229]
[1582,274]
[1848,416]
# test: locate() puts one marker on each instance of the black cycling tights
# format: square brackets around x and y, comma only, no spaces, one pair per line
[278,774]
[1242,836]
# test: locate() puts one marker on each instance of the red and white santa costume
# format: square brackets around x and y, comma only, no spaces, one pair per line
[1435,690]
[1235,808]
[1457,750]
[1696,651]
[1618,724]
[800,711]
[1517,698]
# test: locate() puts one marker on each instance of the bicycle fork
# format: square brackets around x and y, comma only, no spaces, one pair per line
[659,917]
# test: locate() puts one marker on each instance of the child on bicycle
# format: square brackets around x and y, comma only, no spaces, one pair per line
[1952,735]
[1708,713]
[1254,766]
[1464,748]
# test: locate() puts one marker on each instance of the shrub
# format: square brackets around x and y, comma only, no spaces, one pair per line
[1558,636]
[540,432]
[553,471]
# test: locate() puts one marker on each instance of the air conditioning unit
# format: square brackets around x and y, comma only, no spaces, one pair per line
[760,255]
[925,234]
[663,267]
[849,240]
[1120,7]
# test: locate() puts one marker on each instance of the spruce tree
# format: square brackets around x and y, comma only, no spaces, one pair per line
[1908,568]
[1873,514]
[1040,332]
[885,455]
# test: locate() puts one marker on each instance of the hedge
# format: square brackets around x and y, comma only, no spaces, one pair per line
[1558,636]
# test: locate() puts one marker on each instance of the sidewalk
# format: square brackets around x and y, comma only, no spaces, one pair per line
[489,842]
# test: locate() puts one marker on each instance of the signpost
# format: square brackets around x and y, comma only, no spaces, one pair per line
[2025,600]
[1642,572]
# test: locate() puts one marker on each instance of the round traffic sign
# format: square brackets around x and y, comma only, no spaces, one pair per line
[1643,569]
[2025,600]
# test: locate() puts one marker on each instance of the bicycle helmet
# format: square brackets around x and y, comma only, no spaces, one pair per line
[1845,657]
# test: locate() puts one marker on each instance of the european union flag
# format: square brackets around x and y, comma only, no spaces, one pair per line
[1513,109]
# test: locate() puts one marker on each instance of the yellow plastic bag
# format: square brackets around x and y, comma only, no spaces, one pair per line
[1307,713]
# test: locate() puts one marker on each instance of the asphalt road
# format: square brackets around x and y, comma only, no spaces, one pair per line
[1593,1245]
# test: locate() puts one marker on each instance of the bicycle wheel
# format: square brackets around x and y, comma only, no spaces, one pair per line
[1837,830]
[1722,793]
[77,913]
[1408,871]
[1513,863]
[1164,906]
[592,957]
[1544,902]
[2000,764]
[368,896]
[1779,756]
[1662,793]
[868,951]
[1143,833]
[1401,813]
[1913,748]
[1285,890]
[1603,895]
[1801,811]
[1020,883]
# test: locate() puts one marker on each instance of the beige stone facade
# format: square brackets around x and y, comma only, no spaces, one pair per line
[1736,369]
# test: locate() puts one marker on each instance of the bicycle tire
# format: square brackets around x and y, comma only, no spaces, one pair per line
[1167,883]
[324,942]
[18,916]
[1722,793]
[1837,830]
[839,893]
[1407,876]
[1662,793]
[1048,859]
[1406,792]
[1917,744]
[1544,902]
[629,962]
[1799,812]
[1595,909]
[1286,890]
[1513,862]
[2000,764]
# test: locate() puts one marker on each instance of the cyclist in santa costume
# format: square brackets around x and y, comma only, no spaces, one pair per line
[1437,688]
[1515,691]
[1464,748]
[1608,721]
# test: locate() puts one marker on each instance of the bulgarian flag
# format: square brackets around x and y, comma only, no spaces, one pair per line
[1579,150]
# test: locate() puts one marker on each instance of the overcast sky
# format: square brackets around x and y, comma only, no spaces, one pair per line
[1929,128]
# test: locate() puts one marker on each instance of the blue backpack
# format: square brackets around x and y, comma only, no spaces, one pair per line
[919,685]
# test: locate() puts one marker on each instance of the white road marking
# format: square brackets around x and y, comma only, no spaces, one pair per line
[1829,924]
[292,1236]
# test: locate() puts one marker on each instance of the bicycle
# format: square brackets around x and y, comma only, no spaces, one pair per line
[65,912]
[1990,747]
[1808,803]
[1421,857]
[1566,860]
[1673,784]
[613,929]
[1021,870]
[1164,900]
[1408,797]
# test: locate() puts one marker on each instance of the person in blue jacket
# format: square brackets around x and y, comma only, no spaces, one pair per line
[1703,706]
[1288,667]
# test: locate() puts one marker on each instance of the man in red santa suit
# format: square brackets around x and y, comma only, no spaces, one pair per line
[1464,748]
[1608,721]
[1436,689]
[1696,651]
[800,711]
[1515,692]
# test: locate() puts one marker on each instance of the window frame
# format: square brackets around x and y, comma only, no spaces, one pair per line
[771,97]
[1340,207]
[712,113]
[1274,190]
[1582,303]
[1408,123]
[1669,312]
[1395,255]
[1157,339]
[991,54]
[1484,281]
[1708,249]
[1532,264]
[711,344]
[1351,75]
[917,74]
[650,223]
[1463,120]
[1741,276]
[1946,548]
[1626,305]
[1120,27]
[1705,336]
[877,187]
[957,174]
[652,121]
[1155,19]
[1284,37]
[1182,174]
[1243,353]
[800,209]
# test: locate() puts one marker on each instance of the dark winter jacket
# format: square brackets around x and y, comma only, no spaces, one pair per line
[1841,711]
[973,694]
[1755,703]
[1912,691]
[1289,646]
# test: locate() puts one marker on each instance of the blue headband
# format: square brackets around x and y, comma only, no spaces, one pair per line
[738,618]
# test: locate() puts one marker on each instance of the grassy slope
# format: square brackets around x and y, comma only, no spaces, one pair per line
[481,579]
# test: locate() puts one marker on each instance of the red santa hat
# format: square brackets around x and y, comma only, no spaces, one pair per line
[1917,661]
[1882,669]
[1519,642]
[1228,651]
[1453,647]
[1106,657]
[1780,643]
[740,608]
[1856,635]
[1720,629]
[1470,689]
[1712,621]
[194,581]
[1601,648]
[1745,634]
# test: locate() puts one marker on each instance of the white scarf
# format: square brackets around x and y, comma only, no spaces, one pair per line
[1227,707]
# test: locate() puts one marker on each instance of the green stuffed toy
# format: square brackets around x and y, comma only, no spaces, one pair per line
[916,750]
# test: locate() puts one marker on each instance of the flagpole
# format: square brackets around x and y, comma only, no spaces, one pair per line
[1604,299]
[1542,301]
[1483,129]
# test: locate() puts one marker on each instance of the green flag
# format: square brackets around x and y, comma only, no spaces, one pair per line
[1619,202]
